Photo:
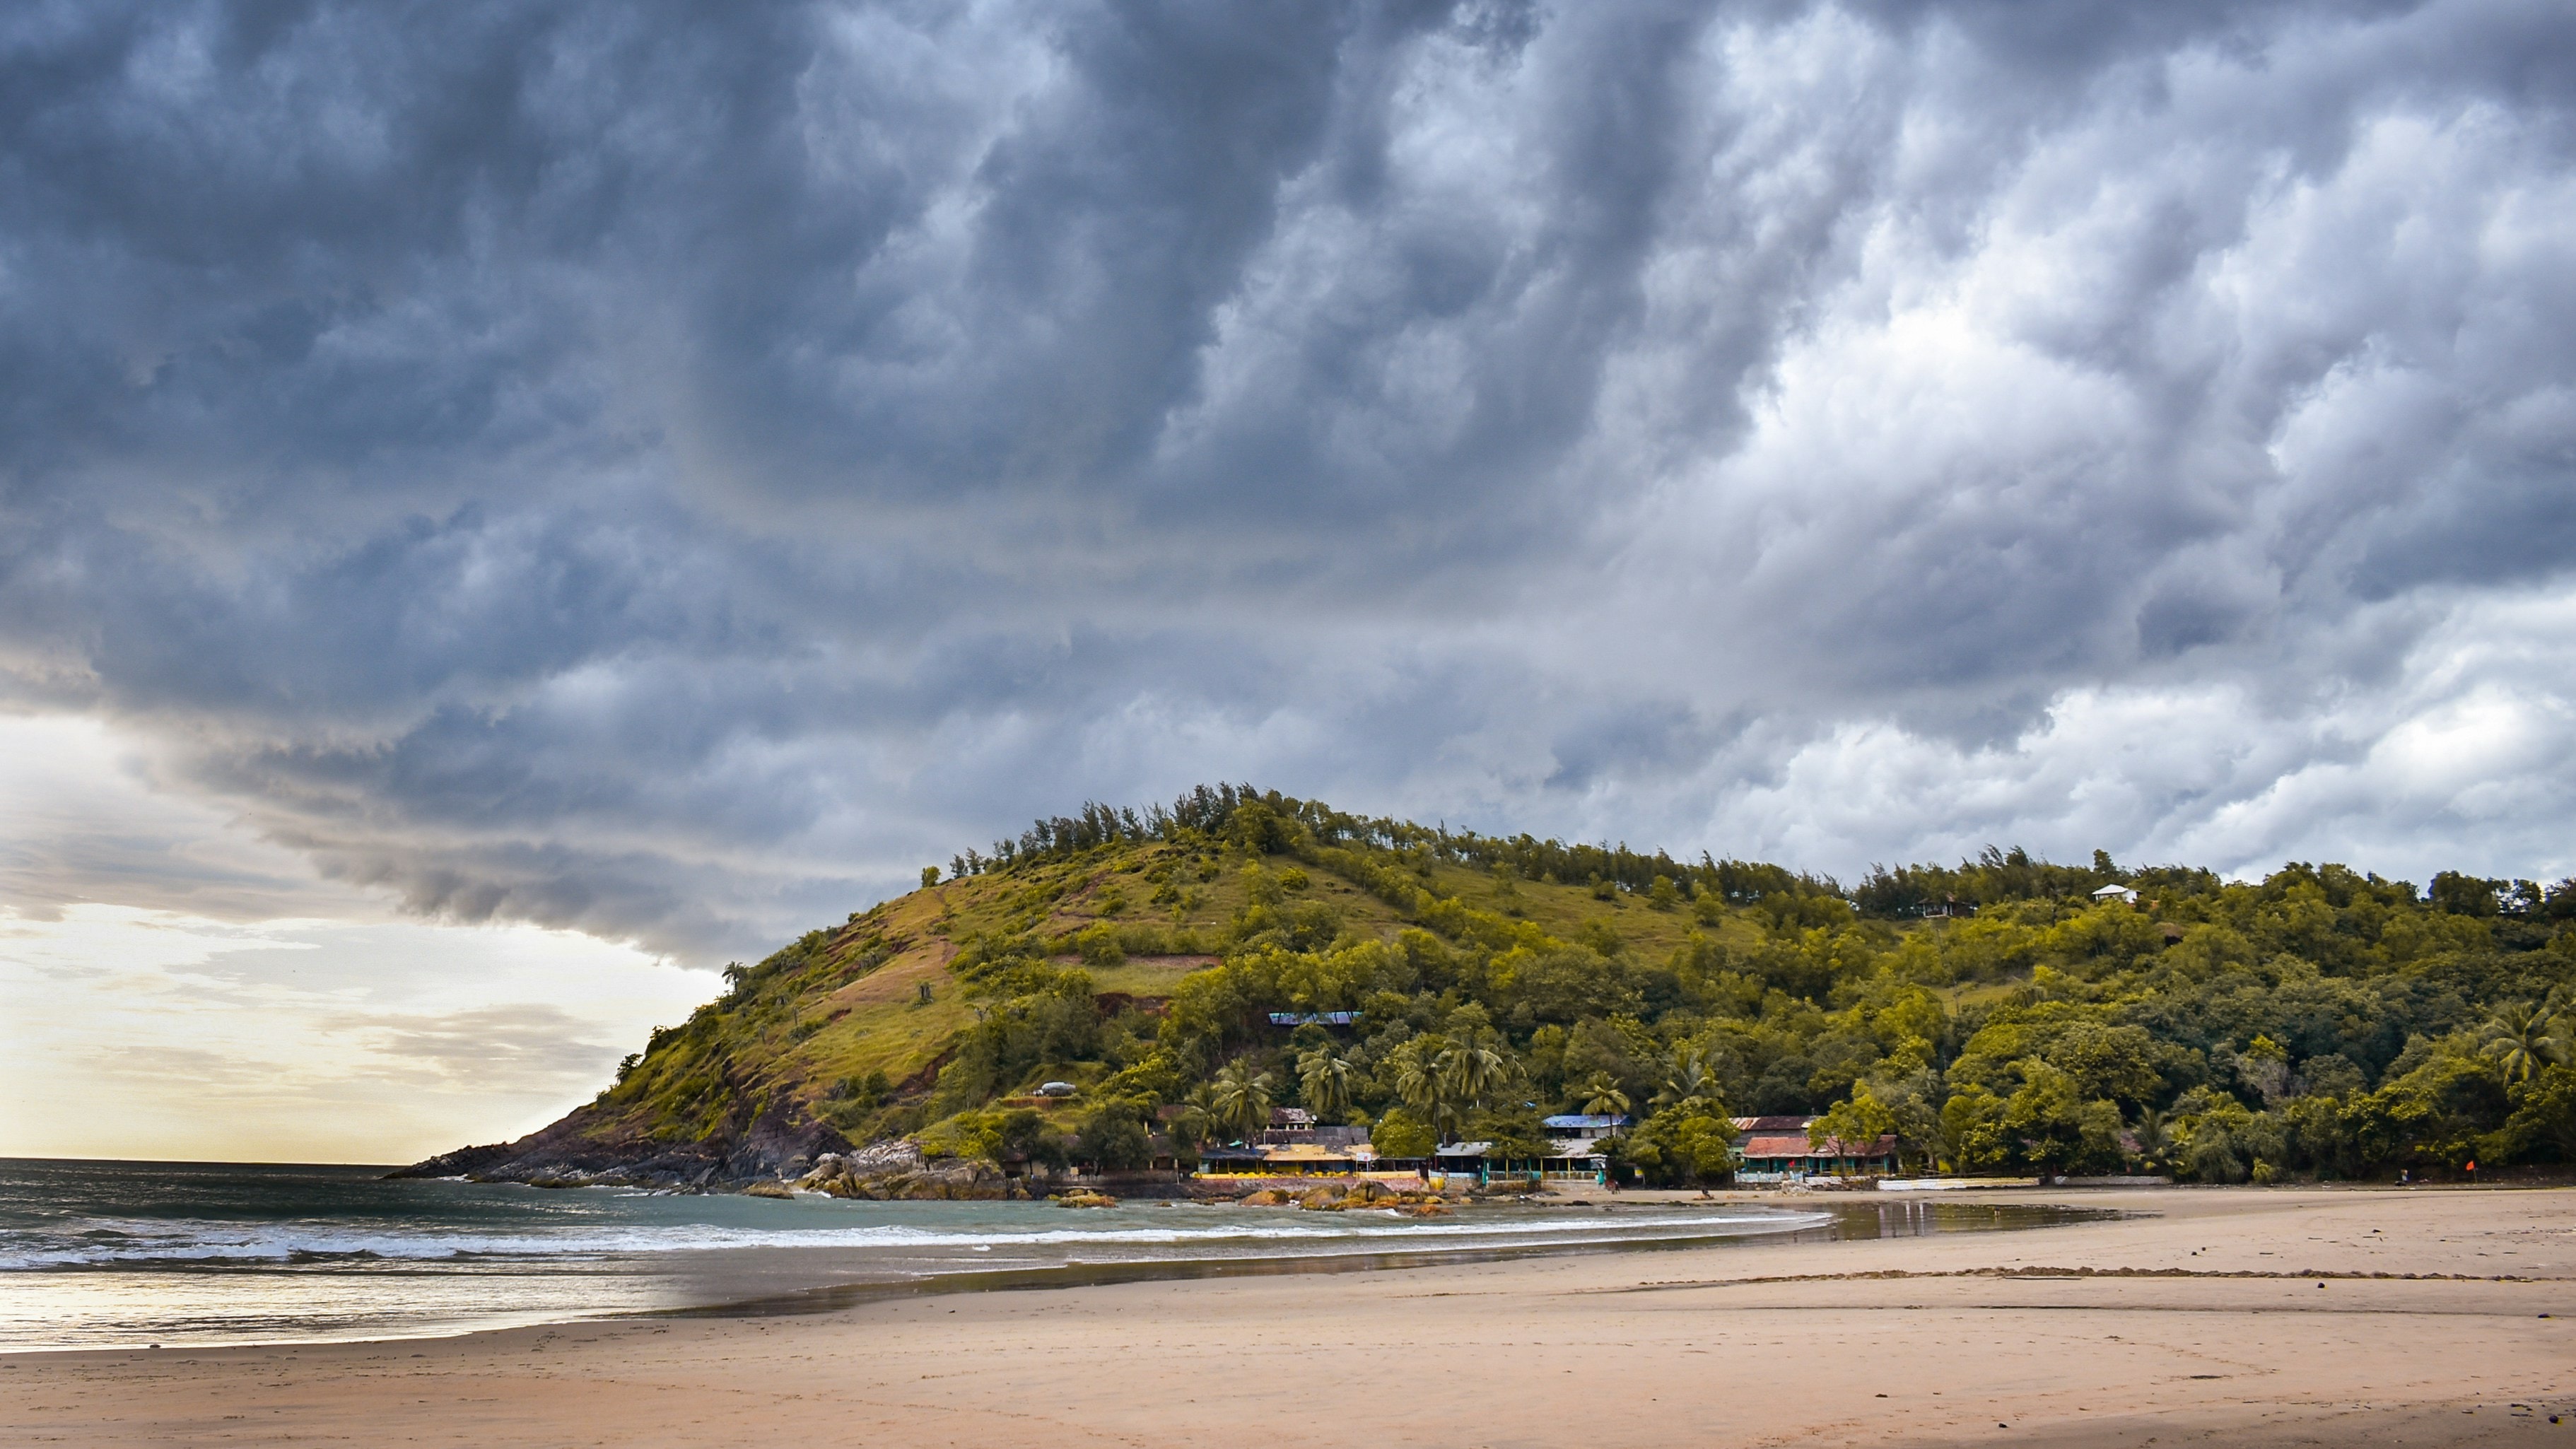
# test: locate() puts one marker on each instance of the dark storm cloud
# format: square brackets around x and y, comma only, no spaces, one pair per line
[669,469]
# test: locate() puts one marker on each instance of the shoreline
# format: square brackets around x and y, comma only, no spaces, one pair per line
[2181,1320]
[782,1281]
[838,1297]
[774,1280]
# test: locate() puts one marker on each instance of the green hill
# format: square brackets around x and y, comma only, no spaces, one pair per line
[1995,1015]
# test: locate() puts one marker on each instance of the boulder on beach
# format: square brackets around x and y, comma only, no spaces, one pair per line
[1321,1199]
[898,1172]
[1083,1197]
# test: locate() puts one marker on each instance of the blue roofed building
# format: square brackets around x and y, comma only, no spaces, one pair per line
[1576,1137]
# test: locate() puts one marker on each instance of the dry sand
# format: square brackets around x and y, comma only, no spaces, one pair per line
[1781,1344]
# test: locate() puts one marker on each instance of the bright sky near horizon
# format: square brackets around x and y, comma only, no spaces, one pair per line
[503,509]
[265,1014]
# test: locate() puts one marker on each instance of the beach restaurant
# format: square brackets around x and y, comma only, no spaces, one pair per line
[1294,1146]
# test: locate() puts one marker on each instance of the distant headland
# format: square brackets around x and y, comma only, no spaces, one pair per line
[1244,986]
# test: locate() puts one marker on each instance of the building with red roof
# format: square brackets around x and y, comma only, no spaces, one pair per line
[1776,1149]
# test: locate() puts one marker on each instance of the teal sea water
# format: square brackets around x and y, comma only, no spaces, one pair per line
[101,1254]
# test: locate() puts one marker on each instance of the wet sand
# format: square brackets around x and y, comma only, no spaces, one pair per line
[2203,1321]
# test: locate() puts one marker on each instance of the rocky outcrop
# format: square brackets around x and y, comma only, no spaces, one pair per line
[898,1172]
[593,1148]
[463,1162]
[1333,1197]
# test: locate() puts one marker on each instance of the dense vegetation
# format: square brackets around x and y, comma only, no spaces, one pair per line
[2319,1023]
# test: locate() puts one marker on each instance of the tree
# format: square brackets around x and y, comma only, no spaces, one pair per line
[1472,1070]
[1514,1132]
[2057,1130]
[1911,1097]
[1115,1137]
[1196,1121]
[1597,1047]
[1422,1084]
[2117,1062]
[2464,895]
[2155,1139]
[1683,1144]
[2522,1039]
[1972,1130]
[929,876]
[1692,1085]
[1602,1097]
[2432,1110]
[1855,1123]
[2264,1066]
[2543,1120]
[1000,1135]
[1704,1146]
[1241,1099]
[1325,1079]
[1401,1134]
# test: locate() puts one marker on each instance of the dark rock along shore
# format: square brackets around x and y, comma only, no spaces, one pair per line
[777,1143]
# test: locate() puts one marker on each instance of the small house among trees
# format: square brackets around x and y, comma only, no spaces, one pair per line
[1779,1149]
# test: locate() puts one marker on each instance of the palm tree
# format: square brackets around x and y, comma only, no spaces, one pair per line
[1242,1099]
[1602,1097]
[1468,1072]
[2523,1038]
[1473,1070]
[1422,1085]
[1326,1081]
[1690,1085]
[2155,1138]
[1197,1119]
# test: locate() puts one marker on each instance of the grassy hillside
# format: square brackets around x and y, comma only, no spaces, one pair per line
[2321,1022]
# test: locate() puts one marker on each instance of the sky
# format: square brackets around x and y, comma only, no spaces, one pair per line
[507,507]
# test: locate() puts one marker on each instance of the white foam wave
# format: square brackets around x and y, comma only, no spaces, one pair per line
[223,1243]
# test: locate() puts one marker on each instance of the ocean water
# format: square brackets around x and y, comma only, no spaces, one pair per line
[104,1254]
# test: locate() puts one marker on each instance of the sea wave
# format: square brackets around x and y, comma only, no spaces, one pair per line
[185,1243]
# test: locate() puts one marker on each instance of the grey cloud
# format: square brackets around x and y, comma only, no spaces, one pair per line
[519,1048]
[670,470]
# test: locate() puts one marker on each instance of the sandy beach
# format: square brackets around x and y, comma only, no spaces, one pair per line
[2245,1316]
